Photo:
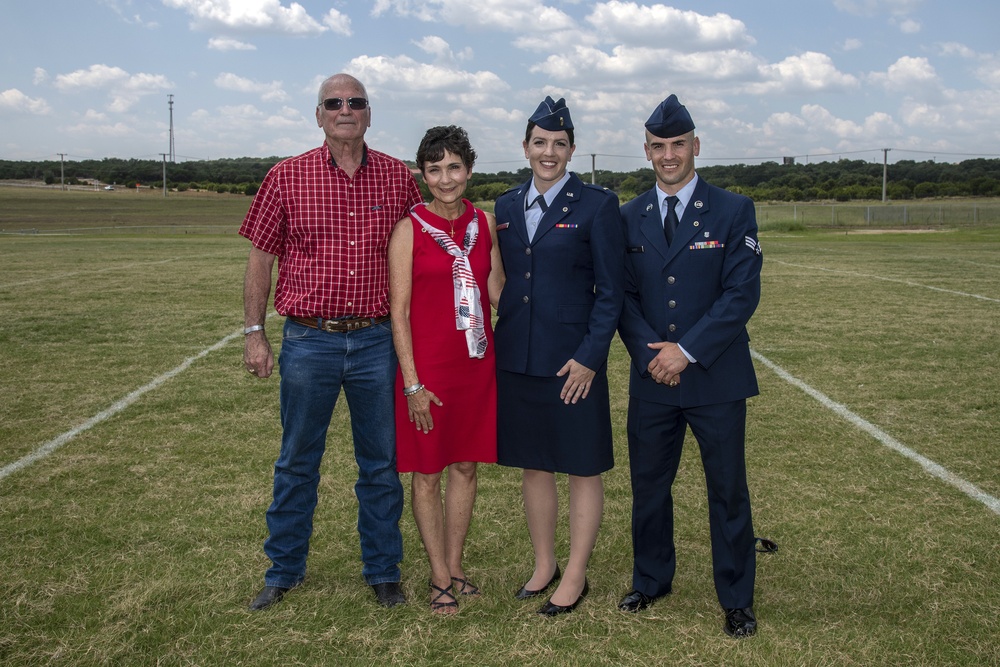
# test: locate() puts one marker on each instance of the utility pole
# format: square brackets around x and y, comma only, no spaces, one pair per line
[885,171]
[170,103]
[164,156]
[593,168]
[62,171]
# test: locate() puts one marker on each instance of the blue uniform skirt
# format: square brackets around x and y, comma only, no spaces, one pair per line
[536,430]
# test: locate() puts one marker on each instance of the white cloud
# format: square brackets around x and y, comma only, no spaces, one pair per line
[254,15]
[909,27]
[809,72]
[664,26]
[640,64]
[229,44]
[955,49]
[989,71]
[285,132]
[95,76]
[783,123]
[134,19]
[14,100]
[124,89]
[815,125]
[502,115]
[421,10]
[403,74]
[434,45]
[821,122]
[40,77]
[338,22]
[521,16]
[269,92]
[441,50]
[851,44]
[965,113]
[117,130]
[555,41]
[906,74]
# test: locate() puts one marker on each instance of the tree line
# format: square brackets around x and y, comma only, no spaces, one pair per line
[841,180]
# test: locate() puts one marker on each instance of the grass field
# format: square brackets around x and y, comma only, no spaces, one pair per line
[136,538]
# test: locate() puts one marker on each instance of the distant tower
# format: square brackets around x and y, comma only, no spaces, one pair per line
[170,103]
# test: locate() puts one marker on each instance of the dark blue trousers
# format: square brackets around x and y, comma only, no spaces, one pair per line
[655,440]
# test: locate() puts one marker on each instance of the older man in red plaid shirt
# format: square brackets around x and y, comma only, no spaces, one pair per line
[326,215]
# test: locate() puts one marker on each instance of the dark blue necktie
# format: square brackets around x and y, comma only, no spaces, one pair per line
[670,222]
[540,200]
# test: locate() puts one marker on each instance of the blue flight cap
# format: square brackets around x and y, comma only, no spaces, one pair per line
[552,116]
[670,119]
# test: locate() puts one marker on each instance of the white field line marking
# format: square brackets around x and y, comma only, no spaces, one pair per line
[928,465]
[890,280]
[119,267]
[969,261]
[118,406]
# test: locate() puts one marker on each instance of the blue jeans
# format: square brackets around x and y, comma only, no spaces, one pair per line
[314,365]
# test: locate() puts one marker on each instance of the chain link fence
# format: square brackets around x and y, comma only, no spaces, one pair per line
[881,216]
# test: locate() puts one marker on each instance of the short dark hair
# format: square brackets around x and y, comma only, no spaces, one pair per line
[532,125]
[450,138]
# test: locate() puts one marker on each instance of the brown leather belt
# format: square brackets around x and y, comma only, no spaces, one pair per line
[339,326]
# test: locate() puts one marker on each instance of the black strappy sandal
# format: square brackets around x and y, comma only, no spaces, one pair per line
[467,588]
[436,605]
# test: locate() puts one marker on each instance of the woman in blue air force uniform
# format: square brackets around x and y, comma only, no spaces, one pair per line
[562,246]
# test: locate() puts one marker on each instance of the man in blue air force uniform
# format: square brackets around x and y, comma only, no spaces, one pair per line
[692,282]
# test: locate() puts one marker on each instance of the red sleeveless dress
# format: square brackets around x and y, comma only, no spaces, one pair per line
[465,427]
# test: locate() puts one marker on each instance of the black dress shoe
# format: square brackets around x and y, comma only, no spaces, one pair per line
[740,622]
[524,593]
[635,601]
[551,609]
[389,594]
[268,596]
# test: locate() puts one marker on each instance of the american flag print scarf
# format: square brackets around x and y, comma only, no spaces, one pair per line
[468,310]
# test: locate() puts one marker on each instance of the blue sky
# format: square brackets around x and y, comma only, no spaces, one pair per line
[815,79]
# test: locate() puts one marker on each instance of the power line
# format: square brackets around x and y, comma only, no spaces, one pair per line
[909,150]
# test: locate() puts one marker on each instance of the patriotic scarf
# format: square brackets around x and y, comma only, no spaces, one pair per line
[468,311]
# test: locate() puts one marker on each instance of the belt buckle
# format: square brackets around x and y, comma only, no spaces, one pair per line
[358,324]
[331,326]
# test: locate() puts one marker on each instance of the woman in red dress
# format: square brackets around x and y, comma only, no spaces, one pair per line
[444,274]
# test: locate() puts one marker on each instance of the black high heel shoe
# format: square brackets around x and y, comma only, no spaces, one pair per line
[524,593]
[550,609]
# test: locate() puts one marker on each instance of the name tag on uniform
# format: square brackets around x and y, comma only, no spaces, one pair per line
[635,248]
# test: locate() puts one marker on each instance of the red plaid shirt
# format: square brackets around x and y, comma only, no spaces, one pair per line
[330,232]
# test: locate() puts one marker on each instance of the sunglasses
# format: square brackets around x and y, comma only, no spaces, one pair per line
[336,103]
